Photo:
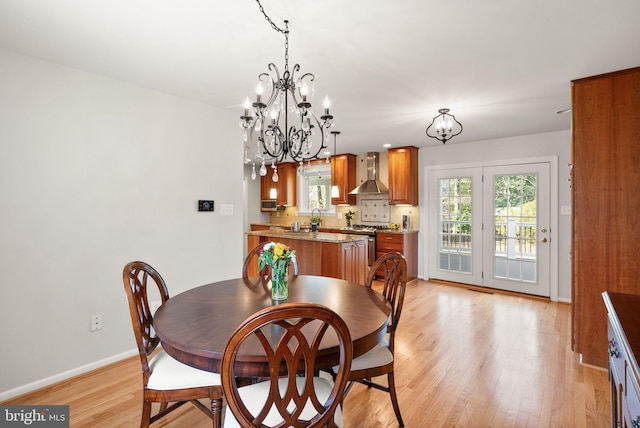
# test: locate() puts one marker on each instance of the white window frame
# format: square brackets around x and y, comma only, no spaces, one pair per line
[323,169]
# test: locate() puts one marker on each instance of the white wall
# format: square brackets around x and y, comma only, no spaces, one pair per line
[252,213]
[528,146]
[95,173]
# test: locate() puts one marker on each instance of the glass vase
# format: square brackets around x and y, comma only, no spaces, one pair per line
[280,282]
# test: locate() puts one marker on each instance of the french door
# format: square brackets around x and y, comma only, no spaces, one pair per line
[489,226]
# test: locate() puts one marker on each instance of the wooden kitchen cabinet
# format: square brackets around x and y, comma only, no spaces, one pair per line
[286,186]
[266,184]
[323,254]
[623,342]
[346,260]
[344,176]
[354,261]
[604,185]
[405,244]
[403,176]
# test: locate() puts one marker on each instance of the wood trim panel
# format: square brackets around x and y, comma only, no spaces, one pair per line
[606,199]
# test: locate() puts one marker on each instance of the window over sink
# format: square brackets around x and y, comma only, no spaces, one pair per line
[314,189]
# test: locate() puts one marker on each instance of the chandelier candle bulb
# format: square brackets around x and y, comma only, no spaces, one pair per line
[247,105]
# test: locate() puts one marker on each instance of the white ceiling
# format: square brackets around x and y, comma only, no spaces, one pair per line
[503,67]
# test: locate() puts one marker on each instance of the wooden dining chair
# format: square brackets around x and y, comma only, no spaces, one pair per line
[164,379]
[290,335]
[252,260]
[379,361]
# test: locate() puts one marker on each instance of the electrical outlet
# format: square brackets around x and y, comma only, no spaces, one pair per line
[96,322]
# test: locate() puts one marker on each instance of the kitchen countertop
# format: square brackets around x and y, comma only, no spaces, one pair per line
[398,231]
[309,236]
[332,229]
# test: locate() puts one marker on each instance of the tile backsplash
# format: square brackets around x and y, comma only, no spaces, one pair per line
[374,210]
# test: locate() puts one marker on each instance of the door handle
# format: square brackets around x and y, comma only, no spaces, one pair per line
[543,240]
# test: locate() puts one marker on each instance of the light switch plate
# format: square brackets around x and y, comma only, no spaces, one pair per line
[226,209]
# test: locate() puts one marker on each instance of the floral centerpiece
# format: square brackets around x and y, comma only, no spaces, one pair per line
[277,256]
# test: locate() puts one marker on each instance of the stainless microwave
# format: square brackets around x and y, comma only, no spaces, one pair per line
[269,205]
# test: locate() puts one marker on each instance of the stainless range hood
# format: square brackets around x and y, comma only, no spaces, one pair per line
[372,185]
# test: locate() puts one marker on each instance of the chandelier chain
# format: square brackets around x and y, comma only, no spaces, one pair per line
[286,46]
[275,140]
[273,25]
[279,30]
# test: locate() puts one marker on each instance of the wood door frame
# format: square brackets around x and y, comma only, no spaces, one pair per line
[553,211]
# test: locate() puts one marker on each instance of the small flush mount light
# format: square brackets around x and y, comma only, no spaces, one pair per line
[386,145]
[445,126]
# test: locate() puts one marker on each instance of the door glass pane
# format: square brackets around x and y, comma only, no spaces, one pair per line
[515,214]
[454,214]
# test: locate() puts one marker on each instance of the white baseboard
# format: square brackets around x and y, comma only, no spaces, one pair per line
[6,395]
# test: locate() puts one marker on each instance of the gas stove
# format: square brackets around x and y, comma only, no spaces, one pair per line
[370,227]
[365,229]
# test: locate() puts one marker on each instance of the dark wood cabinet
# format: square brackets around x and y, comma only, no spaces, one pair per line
[404,243]
[266,184]
[324,256]
[604,185]
[403,176]
[286,187]
[346,260]
[354,261]
[343,174]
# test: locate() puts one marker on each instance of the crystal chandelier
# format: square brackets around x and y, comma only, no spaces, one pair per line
[446,126]
[268,134]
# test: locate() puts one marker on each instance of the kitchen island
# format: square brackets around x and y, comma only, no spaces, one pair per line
[336,255]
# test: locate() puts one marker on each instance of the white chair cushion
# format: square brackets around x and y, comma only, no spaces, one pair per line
[168,373]
[376,357]
[254,396]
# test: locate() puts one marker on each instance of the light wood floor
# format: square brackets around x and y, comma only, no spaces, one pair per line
[463,358]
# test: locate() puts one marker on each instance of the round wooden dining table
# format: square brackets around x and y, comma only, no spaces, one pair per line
[195,326]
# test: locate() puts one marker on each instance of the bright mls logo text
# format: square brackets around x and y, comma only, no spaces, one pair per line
[38,416]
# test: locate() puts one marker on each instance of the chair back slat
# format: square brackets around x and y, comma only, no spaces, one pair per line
[394,284]
[138,277]
[291,335]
